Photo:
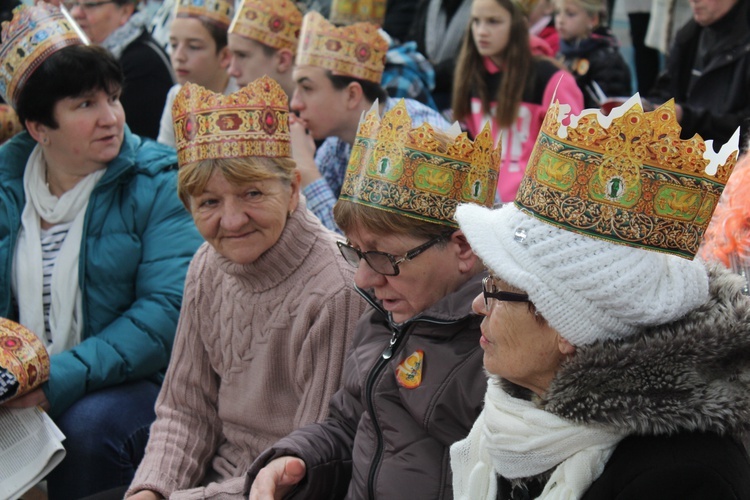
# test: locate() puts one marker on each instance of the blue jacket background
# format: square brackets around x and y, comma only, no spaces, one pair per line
[138,241]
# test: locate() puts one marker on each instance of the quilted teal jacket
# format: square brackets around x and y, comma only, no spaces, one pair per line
[137,244]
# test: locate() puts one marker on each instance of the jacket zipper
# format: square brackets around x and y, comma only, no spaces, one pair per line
[395,342]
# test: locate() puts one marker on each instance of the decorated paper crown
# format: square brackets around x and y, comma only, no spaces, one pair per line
[355,11]
[35,33]
[219,12]
[357,51]
[627,178]
[408,171]
[250,122]
[275,23]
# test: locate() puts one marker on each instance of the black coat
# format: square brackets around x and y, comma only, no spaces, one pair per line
[719,101]
[148,78]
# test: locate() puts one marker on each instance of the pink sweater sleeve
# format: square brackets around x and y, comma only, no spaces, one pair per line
[186,432]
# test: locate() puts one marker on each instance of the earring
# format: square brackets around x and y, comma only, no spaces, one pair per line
[45,141]
[289,214]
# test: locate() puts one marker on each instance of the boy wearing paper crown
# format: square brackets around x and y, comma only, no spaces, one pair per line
[413,377]
[337,74]
[199,53]
[619,363]
[263,41]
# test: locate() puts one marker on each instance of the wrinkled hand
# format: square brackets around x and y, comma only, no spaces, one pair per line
[145,495]
[303,150]
[33,398]
[277,478]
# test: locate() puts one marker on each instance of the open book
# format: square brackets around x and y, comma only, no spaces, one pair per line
[30,442]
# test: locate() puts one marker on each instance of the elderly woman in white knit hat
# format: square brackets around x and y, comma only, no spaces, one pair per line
[620,366]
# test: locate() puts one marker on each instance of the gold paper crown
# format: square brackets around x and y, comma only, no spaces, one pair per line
[357,51]
[627,178]
[35,33]
[355,11]
[251,122]
[275,23]
[409,171]
[219,12]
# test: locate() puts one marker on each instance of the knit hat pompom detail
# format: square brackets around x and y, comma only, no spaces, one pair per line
[586,288]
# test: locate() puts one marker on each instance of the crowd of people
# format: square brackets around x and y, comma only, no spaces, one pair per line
[265,264]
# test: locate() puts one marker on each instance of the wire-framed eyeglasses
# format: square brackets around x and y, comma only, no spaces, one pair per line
[381,262]
[86,6]
[490,291]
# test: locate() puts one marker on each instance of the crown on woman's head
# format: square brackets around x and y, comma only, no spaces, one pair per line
[253,121]
[275,23]
[627,178]
[409,171]
[35,33]
[357,51]
[355,11]
[219,12]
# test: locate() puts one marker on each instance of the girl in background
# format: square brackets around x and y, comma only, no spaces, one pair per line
[498,79]
[199,54]
[589,50]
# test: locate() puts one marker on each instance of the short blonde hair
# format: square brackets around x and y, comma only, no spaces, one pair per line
[193,177]
[592,8]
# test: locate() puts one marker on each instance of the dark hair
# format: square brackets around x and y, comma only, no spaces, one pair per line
[217,31]
[471,76]
[371,90]
[69,72]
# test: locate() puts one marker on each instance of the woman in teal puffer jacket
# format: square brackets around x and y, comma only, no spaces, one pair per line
[102,205]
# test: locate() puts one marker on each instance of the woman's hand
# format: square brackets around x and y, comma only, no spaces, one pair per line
[277,478]
[145,495]
[33,398]
[303,150]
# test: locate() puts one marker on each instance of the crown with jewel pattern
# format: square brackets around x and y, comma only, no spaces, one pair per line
[627,177]
[219,12]
[357,51]
[275,23]
[355,11]
[250,122]
[35,33]
[406,170]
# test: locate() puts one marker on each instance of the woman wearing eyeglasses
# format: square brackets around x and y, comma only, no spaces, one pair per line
[618,363]
[413,379]
[118,26]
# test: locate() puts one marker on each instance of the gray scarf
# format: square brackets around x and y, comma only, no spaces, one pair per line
[442,38]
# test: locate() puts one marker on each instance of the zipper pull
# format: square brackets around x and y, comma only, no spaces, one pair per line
[388,352]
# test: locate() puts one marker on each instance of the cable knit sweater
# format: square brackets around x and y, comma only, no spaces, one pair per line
[259,352]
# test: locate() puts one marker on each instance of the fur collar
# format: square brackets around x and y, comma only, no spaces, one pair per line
[689,375]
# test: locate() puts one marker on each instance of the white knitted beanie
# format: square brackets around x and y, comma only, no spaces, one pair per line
[586,288]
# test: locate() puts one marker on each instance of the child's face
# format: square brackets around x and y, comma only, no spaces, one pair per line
[194,56]
[571,21]
[490,27]
[249,61]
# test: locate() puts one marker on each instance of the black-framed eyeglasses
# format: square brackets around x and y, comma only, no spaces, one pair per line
[382,262]
[490,291]
[86,6]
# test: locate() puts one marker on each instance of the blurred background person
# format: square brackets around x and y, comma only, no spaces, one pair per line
[263,40]
[199,53]
[95,246]
[498,80]
[590,51]
[122,29]
[269,307]
[708,71]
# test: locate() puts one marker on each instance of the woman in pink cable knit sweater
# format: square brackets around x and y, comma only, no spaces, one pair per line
[268,309]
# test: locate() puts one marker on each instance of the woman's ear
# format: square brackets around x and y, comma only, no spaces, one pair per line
[467,259]
[565,347]
[37,131]
[295,185]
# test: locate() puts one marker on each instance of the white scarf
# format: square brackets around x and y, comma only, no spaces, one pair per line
[515,439]
[65,317]
[119,39]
